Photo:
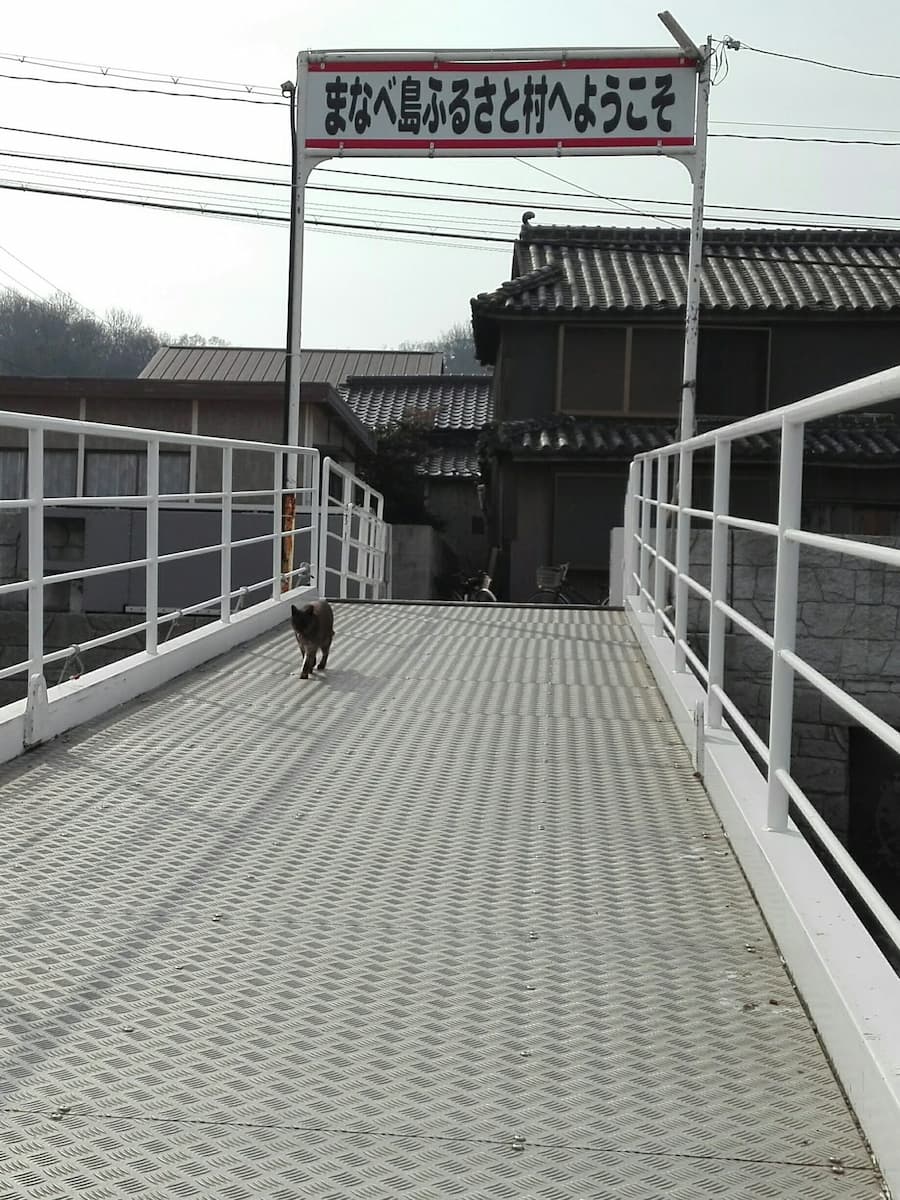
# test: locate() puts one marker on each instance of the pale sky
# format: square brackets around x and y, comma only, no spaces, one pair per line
[186,273]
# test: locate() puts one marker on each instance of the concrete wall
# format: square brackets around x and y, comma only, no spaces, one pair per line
[455,503]
[416,558]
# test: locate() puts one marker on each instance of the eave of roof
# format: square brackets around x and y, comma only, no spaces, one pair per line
[573,272]
[853,439]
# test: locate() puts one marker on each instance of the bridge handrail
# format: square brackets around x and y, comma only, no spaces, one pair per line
[650,578]
[362,539]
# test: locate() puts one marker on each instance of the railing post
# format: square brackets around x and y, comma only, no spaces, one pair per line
[787,570]
[152,570]
[718,581]
[682,554]
[277,520]
[35,553]
[314,497]
[225,539]
[346,528]
[646,489]
[659,575]
[630,549]
[324,506]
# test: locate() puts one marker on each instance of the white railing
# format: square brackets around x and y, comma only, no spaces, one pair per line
[655,584]
[354,541]
[216,549]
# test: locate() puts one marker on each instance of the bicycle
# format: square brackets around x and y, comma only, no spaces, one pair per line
[473,589]
[550,581]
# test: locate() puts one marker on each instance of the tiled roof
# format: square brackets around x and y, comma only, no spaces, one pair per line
[456,401]
[241,364]
[857,438]
[452,462]
[615,270]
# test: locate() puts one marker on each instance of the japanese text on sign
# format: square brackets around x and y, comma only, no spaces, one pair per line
[406,105]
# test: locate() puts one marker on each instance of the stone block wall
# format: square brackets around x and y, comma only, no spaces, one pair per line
[847,628]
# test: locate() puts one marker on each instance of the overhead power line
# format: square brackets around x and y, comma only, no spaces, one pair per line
[440,235]
[528,194]
[140,91]
[57,64]
[815,62]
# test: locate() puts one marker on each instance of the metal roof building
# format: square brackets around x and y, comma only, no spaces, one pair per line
[248,364]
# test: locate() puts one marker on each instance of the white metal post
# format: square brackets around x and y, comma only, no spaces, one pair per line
[659,577]
[304,167]
[152,553]
[781,711]
[696,165]
[682,554]
[277,523]
[718,581]
[35,552]
[225,580]
[630,548]
[646,490]
[346,528]
[315,520]
[324,506]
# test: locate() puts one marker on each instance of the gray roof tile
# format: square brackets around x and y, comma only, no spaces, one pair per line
[448,402]
[607,269]
[854,438]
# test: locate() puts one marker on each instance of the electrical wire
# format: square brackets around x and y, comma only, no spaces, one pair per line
[57,64]
[528,193]
[447,235]
[144,91]
[815,62]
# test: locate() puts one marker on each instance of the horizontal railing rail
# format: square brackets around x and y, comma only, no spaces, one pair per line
[656,582]
[171,552]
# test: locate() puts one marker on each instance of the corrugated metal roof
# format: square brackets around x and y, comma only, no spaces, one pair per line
[456,401]
[241,364]
[607,269]
[858,438]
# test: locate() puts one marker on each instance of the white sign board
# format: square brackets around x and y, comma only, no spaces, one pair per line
[632,104]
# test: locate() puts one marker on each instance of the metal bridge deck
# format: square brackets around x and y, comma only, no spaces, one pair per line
[455,921]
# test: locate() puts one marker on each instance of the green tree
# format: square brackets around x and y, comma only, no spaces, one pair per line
[458,346]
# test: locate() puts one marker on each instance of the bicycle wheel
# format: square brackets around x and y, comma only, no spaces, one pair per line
[545,598]
[484,595]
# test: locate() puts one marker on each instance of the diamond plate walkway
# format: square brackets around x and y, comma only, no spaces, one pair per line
[455,921]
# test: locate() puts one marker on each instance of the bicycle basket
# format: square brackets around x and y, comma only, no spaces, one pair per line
[550,578]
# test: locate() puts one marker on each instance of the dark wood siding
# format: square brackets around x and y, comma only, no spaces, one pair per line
[811,356]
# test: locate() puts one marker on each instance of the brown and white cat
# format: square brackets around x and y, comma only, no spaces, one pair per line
[313,626]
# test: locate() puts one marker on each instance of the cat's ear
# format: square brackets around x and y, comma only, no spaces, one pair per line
[294,610]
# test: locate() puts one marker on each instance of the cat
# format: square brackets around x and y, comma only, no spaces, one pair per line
[313,626]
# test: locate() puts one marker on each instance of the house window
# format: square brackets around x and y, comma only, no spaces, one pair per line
[124,472]
[732,372]
[654,384]
[593,369]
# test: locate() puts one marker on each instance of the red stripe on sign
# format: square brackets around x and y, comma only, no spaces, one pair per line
[486,143]
[505,68]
